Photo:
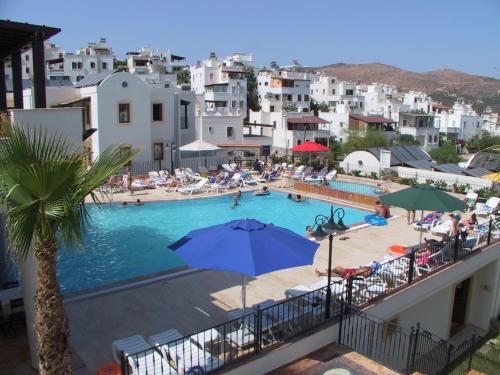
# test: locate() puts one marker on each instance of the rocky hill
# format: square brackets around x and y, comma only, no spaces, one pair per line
[444,84]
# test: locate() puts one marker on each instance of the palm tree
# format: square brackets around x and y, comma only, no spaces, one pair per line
[44,181]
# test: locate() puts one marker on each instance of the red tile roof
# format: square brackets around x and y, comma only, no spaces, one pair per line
[440,106]
[373,119]
[306,120]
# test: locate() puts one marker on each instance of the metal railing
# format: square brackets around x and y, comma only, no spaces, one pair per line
[273,323]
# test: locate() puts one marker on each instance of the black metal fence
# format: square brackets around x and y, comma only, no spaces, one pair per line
[475,354]
[273,323]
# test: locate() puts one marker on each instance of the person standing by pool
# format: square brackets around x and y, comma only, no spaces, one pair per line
[129,181]
[408,214]
[236,198]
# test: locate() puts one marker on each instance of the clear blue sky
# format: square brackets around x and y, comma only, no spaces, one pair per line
[419,35]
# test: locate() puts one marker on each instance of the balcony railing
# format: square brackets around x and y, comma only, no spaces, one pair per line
[273,323]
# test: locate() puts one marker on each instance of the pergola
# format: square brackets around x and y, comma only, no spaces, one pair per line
[16,38]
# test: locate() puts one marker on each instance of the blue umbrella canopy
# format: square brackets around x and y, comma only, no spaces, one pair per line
[245,246]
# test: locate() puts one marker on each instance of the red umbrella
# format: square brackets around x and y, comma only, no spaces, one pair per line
[310,147]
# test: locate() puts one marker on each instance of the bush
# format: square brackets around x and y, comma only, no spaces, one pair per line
[486,193]
[340,170]
[408,181]
[447,153]
[441,185]
[429,181]
[374,175]
[486,139]
[355,173]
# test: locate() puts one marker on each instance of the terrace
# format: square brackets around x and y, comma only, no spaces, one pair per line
[194,300]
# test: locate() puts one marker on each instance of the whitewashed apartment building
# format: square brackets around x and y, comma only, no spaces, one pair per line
[156,68]
[279,89]
[332,91]
[120,108]
[221,101]
[458,122]
[491,121]
[381,100]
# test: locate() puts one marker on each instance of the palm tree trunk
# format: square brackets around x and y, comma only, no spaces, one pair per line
[51,322]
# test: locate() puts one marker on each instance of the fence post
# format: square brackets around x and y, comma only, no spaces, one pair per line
[123,363]
[341,318]
[455,247]
[488,241]
[471,352]
[258,325]
[411,269]
[448,358]
[408,359]
[414,351]
[349,290]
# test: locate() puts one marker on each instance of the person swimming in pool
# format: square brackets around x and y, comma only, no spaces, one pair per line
[123,205]
[263,191]
[138,202]
[296,198]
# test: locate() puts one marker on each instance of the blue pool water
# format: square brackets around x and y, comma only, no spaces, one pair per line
[352,187]
[123,243]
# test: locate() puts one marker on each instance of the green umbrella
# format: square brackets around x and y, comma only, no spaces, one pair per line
[423,197]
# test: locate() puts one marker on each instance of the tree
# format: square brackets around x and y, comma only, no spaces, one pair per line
[316,107]
[486,139]
[407,139]
[290,107]
[252,94]
[372,138]
[120,65]
[43,185]
[335,148]
[447,153]
[183,76]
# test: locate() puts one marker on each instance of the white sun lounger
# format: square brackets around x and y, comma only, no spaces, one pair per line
[441,227]
[485,209]
[194,188]
[147,362]
[184,353]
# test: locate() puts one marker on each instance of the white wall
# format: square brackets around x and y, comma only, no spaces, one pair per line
[360,160]
[64,121]
[483,303]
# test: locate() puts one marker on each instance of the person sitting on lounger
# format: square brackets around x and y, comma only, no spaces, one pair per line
[364,271]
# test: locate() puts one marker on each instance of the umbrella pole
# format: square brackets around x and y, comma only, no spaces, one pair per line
[421,220]
[244,293]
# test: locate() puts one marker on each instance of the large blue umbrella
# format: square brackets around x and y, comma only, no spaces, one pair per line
[245,246]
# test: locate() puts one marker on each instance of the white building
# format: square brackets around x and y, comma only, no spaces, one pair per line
[95,58]
[458,122]
[332,91]
[491,122]
[282,90]
[337,122]
[381,99]
[221,101]
[416,101]
[158,69]
[241,58]
[124,110]
[421,127]
[287,129]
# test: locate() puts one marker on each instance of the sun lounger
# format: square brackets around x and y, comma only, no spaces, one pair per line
[194,188]
[441,227]
[331,175]
[184,352]
[190,174]
[142,359]
[471,199]
[227,168]
[317,176]
[485,209]
[428,221]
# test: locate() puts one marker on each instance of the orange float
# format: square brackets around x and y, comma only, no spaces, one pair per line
[397,250]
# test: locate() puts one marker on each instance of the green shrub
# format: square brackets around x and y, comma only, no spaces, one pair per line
[374,175]
[441,185]
[408,181]
[486,193]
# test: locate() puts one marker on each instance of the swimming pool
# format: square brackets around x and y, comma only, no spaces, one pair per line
[122,243]
[352,187]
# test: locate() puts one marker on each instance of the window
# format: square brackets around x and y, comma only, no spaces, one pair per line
[80,65]
[333,91]
[306,98]
[210,130]
[349,92]
[430,139]
[27,70]
[229,131]
[242,103]
[274,123]
[123,113]
[299,98]
[289,98]
[73,65]
[92,65]
[157,112]
[341,124]
[79,78]
[361,106]
[27,57]
[420,123]
[233,103]
[465,124]
[105,65]
[271,109]
[435,139]
[158,151]
[333,80]
[266,83]
[211,76]
[312,91]
[184,122]
[340,139]
[323,91]
[404,122]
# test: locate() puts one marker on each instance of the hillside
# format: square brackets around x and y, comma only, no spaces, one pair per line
[444,83]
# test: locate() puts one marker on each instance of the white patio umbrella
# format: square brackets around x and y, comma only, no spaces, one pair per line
[199,146]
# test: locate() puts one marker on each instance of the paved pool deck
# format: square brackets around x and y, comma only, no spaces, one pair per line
[197,300]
